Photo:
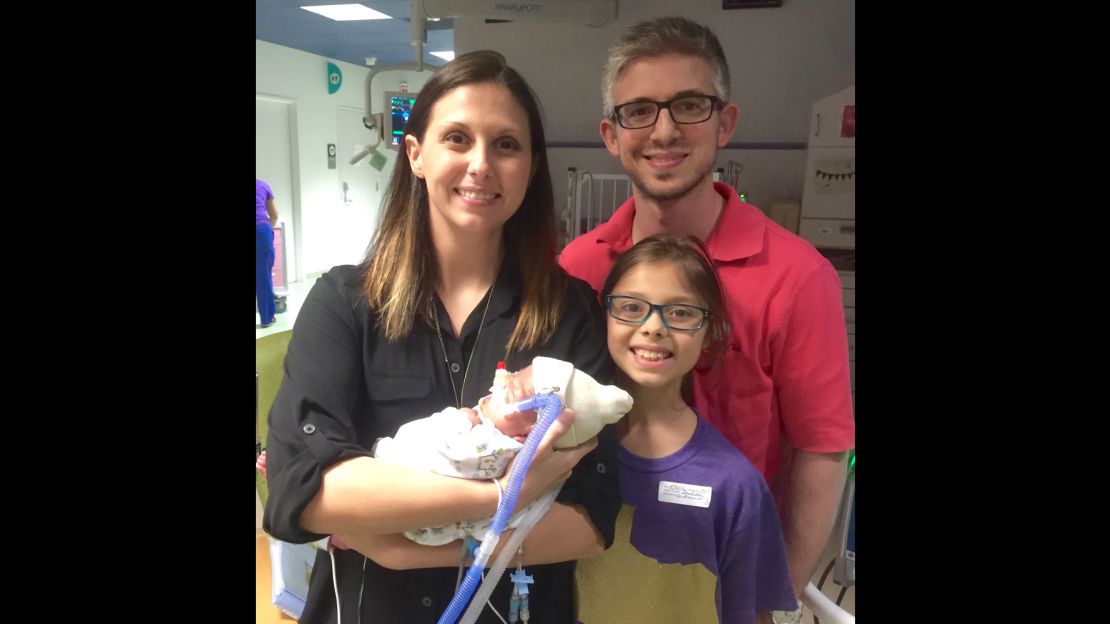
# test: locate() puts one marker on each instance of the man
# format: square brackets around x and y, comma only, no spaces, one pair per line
[782,394]
[265,218]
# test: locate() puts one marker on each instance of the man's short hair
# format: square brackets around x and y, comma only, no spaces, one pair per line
[659,36]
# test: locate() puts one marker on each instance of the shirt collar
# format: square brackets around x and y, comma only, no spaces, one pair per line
[507,292]
[739,232]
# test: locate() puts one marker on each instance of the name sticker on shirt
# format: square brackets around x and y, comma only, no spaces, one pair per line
[685,494]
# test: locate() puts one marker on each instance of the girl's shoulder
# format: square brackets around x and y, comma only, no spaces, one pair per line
[714,446]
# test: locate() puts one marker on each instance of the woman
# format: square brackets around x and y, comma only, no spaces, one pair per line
[461,274]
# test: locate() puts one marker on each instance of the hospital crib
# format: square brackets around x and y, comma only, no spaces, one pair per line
[593,197]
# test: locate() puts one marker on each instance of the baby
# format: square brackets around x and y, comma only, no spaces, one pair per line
[459,443]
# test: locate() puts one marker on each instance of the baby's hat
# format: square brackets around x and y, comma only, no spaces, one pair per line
[595,405]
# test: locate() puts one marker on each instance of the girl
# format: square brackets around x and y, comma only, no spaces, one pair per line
[698,537]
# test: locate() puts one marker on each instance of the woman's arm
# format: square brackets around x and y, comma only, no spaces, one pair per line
[321,477]
[364,495]
[565,533]
[370,495]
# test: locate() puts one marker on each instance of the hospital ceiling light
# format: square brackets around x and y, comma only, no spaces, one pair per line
[447,55]
[347,12]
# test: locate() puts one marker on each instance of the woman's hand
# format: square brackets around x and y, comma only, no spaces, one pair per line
[516,425]
[520,385]
[548,464]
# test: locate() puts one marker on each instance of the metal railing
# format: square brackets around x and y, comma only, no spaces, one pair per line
[591,199]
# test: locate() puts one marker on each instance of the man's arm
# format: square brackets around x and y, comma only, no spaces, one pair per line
[271,210]
[814,483]
[813,385]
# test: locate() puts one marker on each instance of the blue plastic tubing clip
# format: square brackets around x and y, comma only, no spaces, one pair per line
[549,406]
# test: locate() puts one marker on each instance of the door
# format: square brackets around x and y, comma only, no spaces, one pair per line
[273,164]
[360,185]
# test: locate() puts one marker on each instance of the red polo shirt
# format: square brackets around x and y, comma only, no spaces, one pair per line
[784,374]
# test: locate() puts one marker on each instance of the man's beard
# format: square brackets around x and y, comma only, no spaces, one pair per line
[669,195]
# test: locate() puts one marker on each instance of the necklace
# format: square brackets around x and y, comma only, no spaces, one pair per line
[458,396]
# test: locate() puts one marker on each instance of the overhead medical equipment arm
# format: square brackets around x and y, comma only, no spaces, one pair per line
[374,122]
[594,13]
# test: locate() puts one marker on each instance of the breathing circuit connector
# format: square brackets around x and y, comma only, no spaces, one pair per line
[549,406]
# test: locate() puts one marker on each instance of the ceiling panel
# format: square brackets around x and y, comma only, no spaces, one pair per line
[283,22]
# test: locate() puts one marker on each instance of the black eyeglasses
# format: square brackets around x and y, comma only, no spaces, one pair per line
[678,316]
[688,109]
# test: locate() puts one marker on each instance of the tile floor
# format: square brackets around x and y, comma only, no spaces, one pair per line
[294,299]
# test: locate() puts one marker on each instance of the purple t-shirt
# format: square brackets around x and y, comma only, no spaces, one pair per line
[262,193]
[709,536]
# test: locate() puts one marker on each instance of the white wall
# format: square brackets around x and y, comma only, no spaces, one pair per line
[781,59]
[320,218]
[767,176]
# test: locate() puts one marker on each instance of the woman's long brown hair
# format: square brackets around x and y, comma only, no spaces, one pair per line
[401,270]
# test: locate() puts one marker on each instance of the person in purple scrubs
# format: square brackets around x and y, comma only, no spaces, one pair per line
[265,218]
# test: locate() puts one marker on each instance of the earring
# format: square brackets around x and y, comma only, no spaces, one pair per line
[417,171]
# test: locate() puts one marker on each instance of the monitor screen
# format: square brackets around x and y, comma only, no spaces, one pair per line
[398,107]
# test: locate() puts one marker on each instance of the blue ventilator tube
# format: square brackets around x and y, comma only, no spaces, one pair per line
[549,406]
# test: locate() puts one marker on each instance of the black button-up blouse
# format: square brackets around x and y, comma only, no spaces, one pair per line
[345,386]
